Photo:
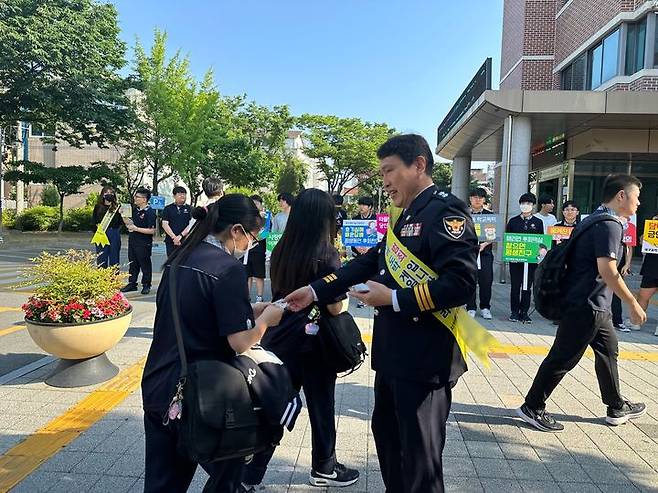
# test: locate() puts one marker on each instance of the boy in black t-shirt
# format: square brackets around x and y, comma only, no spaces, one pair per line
[140,241]
[176,220]
[477,199]
[591,279]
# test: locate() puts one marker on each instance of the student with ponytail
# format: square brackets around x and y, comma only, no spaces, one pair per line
[217,322]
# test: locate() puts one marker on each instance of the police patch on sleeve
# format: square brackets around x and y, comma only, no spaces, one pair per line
[455,226]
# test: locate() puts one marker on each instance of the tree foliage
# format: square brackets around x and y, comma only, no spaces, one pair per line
[292,175]
[345,148]
[442,175]
[68,180]
[59,63]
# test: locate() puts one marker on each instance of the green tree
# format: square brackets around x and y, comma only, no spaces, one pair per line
[442,175]
[345,148]
[59,68]
[67,180]
[292,175]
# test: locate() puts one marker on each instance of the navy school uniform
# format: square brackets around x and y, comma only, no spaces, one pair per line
[519,298]
[140,246]
[416,357]
[213,303]
[178,217]
[485,274]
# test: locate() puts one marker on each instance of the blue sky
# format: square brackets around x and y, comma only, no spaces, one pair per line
[402,62]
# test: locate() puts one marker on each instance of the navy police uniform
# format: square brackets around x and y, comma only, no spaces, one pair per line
[416,357]
[139,247]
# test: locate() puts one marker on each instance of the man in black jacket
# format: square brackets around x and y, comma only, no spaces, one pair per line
[416,357]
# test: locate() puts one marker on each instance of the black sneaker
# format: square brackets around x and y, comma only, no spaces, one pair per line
[146,289]
[525,319]
[514,317]
[245,488]
[340,476]
[128,288]
[628,410]
[539,419]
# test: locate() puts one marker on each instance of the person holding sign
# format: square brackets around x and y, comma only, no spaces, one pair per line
[649,270]
[591,279]
[140,241]
[523,273]
[108,221]
[418,278]
[477,198]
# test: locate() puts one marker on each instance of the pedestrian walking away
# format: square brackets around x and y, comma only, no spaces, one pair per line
[176,220]
[141,229]
[591,279]
[477,199]
[217,322]
[528,224]
[417,359]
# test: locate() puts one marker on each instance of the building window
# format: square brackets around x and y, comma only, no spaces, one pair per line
[573,77]
[603,60]
[37,130]
[635,45]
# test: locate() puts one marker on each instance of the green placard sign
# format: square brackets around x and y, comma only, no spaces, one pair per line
[272,240]
[518,247]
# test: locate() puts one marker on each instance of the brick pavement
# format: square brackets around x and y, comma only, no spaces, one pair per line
[487,448]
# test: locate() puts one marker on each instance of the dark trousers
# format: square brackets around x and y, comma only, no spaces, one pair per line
[578,329]
[108,255]
[617,311]
[520,299]
[485,281]
[319,382]
[139,256]
[409,427]
[169,245]
[166,470]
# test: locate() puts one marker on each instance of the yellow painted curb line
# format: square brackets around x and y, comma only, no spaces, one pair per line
[9,330]
[9,309]
[507,349]
[21,460]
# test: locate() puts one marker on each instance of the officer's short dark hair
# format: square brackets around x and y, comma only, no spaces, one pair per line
[528,197]
[478,192]
[613,184]
[570,203]
[256,198]
[212,186]
[338,199]
[286,197]
[545,199]
[144,191]
[366,201]
[408,147]
[178,189]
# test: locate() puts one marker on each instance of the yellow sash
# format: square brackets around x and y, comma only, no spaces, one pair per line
[100,237]
[409,271]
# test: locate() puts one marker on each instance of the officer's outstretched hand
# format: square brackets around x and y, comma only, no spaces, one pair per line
[379,295]
[299,299]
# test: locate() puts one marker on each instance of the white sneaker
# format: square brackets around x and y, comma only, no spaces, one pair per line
[656,333]
[471,313]
[631,325]
[486,314]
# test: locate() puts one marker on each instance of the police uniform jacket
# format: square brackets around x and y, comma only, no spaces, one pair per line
[412,343]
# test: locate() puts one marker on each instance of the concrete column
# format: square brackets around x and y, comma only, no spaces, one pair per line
[519,166]
[461,177]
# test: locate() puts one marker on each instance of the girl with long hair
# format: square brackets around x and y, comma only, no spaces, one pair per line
[108,255]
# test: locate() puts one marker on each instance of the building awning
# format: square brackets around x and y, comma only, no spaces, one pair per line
[479,131]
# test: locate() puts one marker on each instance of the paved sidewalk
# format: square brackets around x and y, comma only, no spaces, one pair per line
[488,448]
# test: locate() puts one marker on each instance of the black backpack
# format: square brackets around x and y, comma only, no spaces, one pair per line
[340,339]
[550,273]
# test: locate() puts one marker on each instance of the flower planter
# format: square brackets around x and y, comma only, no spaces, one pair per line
[81,348]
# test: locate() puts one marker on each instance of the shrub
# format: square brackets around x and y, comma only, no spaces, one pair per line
[72,288]
[79,219]
[50,196]
[39,218]
[92,199]
[9,218]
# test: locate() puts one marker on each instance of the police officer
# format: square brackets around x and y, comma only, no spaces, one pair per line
[416,357]
[140,241]
[176,220]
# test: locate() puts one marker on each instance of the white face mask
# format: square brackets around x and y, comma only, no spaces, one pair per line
[242,254]
[525,208]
